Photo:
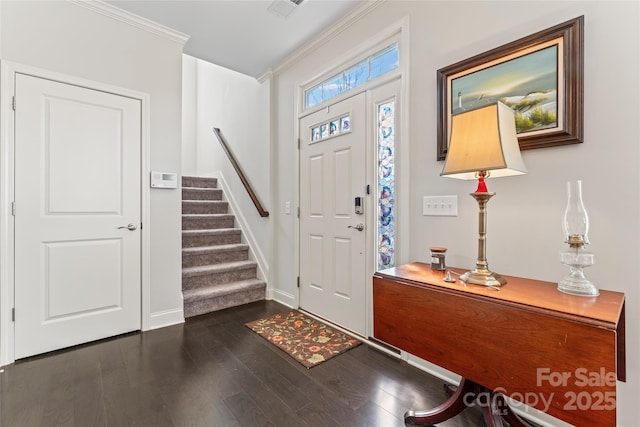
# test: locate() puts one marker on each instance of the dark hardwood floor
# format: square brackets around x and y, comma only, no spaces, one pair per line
[213,371]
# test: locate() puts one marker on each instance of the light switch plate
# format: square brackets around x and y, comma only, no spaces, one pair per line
[440,205]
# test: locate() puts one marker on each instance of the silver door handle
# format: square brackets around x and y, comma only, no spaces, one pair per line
[358,227]
[130,227]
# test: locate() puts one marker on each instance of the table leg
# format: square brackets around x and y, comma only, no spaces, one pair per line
[509,416]
[494,407]
[452,407]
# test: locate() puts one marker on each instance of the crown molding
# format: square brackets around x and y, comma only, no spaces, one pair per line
[121,15]
[265,76]
[327,35]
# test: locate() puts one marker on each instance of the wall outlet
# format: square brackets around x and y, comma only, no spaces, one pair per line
[440,205]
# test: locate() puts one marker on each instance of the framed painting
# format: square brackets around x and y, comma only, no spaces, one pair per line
[540,77]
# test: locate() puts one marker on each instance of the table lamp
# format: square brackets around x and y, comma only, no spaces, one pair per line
[483,143]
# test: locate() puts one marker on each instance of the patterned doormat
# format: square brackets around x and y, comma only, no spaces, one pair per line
[307,340]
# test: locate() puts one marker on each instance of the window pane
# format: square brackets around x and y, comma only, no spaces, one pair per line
[334,127]
[386,185]
[313,96]
[332,87]
[324,130]
[356,75]
[385,61]
[345,124]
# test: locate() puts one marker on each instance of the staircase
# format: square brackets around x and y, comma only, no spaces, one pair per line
[216,270]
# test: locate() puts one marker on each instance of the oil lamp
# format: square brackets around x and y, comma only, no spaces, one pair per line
[575,225]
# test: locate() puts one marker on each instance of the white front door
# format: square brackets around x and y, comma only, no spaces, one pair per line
[332,242]
[77,189]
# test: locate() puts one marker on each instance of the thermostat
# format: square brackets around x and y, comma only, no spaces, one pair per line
[164,180]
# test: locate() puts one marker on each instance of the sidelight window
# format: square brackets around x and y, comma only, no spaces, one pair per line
[386,185]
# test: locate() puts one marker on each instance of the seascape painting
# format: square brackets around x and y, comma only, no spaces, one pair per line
[539,76]
[527,84]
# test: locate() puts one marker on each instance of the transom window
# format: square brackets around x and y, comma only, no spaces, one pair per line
[374,66]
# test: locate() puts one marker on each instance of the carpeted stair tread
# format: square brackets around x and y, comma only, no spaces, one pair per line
[204,206]
[209,237]
[204,189]
[207,221]
[207,203]
[204,202]
[216,248]
[199,182]
[208,215]
[216,270]
[212,231]
[194,193]
[204,270]
[192,295]
[206,254]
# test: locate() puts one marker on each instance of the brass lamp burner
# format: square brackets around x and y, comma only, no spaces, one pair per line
[576,241]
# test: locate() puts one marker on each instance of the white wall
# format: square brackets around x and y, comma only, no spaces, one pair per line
[239,106]
[67,38]
[189,116]
[524,231]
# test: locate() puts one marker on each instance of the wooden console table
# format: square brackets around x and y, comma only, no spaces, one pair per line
[556,352]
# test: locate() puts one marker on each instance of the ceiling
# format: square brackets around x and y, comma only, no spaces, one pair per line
[242,35]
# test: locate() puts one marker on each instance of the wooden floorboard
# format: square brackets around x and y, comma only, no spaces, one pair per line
[213,371]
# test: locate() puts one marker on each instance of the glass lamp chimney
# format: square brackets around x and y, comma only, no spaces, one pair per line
[575,222]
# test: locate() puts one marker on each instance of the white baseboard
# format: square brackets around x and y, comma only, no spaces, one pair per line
[165,318]
[432,369]
[282,297]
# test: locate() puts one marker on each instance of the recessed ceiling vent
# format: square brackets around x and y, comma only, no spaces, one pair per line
[283,8]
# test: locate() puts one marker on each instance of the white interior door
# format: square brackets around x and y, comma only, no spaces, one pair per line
[332,237]
[77,189]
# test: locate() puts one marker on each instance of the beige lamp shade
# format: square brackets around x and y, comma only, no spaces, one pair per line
[483,139]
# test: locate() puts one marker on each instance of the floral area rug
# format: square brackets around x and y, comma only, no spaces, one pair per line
[307,340]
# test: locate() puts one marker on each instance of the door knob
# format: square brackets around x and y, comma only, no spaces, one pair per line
[358,227]
[130,227]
